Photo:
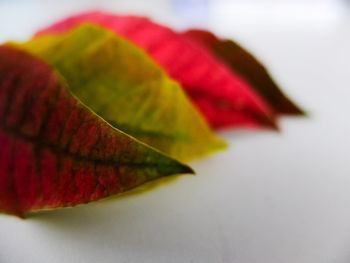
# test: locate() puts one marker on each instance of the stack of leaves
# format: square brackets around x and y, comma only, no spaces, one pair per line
[99,104]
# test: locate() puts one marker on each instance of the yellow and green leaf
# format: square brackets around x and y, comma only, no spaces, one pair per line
[123,85]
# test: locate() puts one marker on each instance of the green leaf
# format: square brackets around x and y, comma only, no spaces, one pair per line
[121,83]
[56,152]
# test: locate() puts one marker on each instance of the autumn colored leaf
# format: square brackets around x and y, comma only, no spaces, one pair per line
[224,98]
[121,83]
[245,64]
[55,152]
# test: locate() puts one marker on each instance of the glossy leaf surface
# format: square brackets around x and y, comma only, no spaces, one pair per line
[245,64]
[54,151]
[223,97]
[122,84]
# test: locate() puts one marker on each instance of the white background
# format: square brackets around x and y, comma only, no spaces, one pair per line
[271,198]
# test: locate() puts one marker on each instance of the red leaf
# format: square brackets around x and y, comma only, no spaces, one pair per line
[245,64]
[224,98]
[54,151]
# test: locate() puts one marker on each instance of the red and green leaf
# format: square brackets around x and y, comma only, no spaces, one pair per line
[56,152]
[245,64]
[224,98]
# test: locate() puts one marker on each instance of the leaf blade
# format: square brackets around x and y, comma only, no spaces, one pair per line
[54,151]
[245,64]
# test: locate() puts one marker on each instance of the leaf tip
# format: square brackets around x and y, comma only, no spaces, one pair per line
[299,111]
[185,169]
[270,122]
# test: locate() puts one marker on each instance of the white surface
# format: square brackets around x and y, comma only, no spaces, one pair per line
[271,198]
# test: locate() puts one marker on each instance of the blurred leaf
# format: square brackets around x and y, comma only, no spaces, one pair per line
[122,84]
[245,64]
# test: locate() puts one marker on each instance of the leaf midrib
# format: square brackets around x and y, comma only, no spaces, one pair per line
[35,140]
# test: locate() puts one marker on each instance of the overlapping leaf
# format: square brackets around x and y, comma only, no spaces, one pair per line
[242,62]
[124,86]
[54,151]
[223,97]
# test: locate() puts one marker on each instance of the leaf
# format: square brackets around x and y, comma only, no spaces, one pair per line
[245,64]
[224,98]
[122,84]
[55,152]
